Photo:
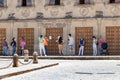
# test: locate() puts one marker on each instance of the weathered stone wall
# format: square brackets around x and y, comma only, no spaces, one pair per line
[54,16]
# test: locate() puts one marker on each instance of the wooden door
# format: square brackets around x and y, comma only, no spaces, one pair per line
[86,33]
[113,39]
[2,37]
[54,33]
[28,34]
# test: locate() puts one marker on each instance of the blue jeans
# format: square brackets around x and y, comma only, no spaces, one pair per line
[46,49]
[13,50]
[5,49]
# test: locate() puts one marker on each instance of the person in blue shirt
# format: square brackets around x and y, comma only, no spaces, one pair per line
[81,47]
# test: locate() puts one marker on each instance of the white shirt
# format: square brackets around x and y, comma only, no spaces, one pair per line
[70,41]
[94,42]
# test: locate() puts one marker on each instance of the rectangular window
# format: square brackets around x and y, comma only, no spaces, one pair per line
[24,3]
[117,1]
[57,2]
[29,2]
[87,1]
[1,2]
[54,2]
[112,1]
[84,1]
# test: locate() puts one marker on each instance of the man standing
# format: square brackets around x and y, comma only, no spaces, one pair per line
[100,42]
[41,45]
[70,43]
[81,47]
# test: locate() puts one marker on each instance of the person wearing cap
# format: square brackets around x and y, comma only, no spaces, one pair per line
[81,47]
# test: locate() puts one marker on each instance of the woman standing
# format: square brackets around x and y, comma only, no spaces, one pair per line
[13,44]
[5,47]
[22,45]
[60,45]
[94,46]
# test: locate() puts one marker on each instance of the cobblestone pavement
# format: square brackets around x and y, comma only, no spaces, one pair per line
[75,70]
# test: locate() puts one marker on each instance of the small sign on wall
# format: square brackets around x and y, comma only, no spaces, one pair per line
[50,37]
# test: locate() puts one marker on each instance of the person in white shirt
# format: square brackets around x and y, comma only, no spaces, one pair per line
[41,45]
[70,43]
[94,46]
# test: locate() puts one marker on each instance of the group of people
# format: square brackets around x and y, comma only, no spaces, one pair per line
[97,46]
[43,45]
[5,46]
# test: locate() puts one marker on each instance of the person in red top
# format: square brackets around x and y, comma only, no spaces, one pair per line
[101,40]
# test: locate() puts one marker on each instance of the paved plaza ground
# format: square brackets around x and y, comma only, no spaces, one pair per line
[71,70]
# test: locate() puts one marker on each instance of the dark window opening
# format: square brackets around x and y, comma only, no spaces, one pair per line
[112,1]
[24,3]
[82,1]
[54,2]
[57,2]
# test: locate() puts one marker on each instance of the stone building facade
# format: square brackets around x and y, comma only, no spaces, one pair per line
[81,18]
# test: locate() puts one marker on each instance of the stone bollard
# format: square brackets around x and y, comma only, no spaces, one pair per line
[35,58]
[15,60]
[26,57]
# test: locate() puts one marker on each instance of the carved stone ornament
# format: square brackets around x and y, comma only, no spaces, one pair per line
[25,24]
[54,12]
[25,12]
[84,22]
[39,15]
[84,11]
[68,2]
[115,10]
[115,21]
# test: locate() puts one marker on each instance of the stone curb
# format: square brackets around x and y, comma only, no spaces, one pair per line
[71,57]
[26,71]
